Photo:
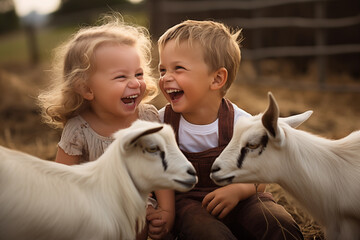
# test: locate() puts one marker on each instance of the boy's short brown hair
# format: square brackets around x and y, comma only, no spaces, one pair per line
[219,43]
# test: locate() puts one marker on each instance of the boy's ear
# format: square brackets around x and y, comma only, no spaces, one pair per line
[220,78]
[85,92]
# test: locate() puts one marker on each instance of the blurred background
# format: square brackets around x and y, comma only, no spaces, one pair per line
[307,52]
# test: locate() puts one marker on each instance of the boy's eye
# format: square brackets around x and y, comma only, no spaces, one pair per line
[162,71]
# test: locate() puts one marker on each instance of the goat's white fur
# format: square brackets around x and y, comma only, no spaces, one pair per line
[322,174]
[103,199]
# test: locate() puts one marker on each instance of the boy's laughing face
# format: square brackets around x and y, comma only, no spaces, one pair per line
[185,78]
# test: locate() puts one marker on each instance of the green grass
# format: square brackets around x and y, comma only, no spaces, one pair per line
[14,49]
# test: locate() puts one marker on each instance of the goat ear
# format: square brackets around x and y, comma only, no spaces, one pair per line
[270,116]
[297,120]
[134,136]
[144,133]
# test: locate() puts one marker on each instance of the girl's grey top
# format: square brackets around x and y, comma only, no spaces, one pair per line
[78,138]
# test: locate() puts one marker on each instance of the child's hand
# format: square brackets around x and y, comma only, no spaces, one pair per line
[221,201]
[158,220]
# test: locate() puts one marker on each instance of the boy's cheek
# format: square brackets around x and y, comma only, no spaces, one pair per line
[165,94]
[161,81]
[161,85]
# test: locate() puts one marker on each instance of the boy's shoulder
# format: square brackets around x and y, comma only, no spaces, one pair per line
[239,112]
[162,113]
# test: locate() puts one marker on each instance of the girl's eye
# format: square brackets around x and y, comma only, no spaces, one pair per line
[252,145]
[179,67]
[120,77]
[152,149]
[139,75]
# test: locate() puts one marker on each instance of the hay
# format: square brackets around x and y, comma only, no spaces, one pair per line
[309,227]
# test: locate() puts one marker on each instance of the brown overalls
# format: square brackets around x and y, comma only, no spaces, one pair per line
[246,220]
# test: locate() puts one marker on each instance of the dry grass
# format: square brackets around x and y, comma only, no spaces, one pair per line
[309,227]
[335,116]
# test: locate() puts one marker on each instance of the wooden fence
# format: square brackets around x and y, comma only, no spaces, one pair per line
[165,13]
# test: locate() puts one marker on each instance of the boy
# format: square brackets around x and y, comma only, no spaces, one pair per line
[199,61]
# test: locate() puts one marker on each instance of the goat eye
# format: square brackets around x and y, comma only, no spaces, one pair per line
[152,149]
[252,145]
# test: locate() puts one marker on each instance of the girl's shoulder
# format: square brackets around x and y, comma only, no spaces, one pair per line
[148,112]
[72,138]
[78,138]
[75,125]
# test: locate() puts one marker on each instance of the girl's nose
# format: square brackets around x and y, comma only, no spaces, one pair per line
[134,83]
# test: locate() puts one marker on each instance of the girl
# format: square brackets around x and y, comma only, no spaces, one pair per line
[101,85]
[103,76]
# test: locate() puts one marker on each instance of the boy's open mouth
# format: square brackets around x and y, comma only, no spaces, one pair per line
[129,100]
[175,93]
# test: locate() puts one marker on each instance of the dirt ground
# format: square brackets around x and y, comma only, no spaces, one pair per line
[336,114]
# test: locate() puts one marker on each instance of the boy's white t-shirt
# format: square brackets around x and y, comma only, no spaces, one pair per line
[198,138]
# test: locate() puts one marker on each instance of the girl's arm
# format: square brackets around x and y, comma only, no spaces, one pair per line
[63,157]
[161,219]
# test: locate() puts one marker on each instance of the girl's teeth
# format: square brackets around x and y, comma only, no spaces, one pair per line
[129,100]
[172,90]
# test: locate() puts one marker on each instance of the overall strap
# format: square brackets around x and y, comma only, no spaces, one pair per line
[172,118]
[226,122]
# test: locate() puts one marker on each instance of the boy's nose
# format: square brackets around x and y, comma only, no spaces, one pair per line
[167,77]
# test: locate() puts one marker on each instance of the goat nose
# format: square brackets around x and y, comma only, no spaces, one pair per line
[215,169]
[191,172]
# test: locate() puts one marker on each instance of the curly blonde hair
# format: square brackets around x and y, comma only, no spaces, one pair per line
[73,63]
[220,44]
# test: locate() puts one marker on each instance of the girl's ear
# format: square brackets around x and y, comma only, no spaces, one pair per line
[220,78]
[85,92]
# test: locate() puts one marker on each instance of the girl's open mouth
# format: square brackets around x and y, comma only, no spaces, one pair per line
[175,93]
[130,100]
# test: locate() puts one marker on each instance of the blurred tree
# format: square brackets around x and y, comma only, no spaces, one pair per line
[9,21]
[6,5]
[69,6]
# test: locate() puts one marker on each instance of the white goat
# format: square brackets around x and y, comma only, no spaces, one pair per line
[103,199]
[323,175]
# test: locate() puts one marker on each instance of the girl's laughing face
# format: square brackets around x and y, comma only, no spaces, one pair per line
[116,86]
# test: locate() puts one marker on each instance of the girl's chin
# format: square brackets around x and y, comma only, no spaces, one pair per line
[130,107]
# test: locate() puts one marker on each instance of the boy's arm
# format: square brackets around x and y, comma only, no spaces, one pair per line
[161,219]
[221,201]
